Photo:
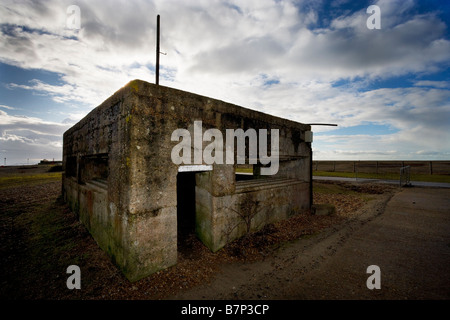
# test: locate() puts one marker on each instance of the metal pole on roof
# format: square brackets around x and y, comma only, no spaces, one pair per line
[157,49]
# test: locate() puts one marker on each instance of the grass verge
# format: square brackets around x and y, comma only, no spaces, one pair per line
[27,180]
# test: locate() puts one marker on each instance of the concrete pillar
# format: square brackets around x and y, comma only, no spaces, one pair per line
[210,186]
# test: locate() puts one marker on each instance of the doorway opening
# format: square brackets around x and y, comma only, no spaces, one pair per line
[185,211]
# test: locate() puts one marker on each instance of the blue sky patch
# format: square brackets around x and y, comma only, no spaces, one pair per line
[366,129]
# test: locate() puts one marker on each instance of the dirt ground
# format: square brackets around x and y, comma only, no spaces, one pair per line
[41,237]
[406,236]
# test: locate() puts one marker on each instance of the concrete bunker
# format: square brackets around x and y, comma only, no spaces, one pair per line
[120,179]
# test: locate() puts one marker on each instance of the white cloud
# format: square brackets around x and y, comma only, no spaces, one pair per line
[73,118]
[7,107]
[434,84]
[25,138]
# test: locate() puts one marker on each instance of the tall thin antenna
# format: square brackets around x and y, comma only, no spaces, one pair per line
[157,49]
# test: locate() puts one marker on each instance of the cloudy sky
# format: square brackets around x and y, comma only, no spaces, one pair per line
[387,89]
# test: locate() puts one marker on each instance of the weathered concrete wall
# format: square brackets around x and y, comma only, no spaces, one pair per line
[120,179]
[222,218]
[139,240]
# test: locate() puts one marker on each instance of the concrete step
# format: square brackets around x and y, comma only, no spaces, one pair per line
[261,184]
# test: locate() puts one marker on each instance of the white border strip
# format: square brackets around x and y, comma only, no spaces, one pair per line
[194,168]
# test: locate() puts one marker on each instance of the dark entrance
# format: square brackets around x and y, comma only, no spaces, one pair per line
[185,210]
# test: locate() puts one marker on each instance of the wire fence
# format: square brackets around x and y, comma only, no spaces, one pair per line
[383,169]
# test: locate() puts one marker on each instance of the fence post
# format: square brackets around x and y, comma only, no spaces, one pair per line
[431,167]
